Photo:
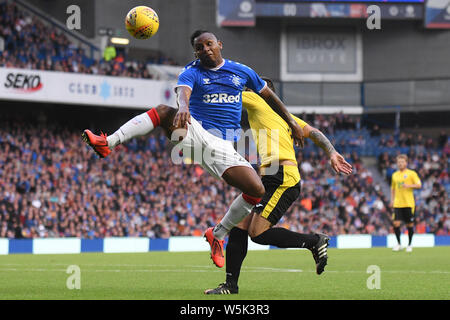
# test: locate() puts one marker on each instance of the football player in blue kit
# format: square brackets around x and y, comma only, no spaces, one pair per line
[207,122]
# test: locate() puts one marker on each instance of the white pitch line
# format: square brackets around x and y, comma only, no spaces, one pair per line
[273,269]
[209,269]
[98,265]
[107,270]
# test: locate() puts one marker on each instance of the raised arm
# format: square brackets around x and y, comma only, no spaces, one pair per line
[183,115]
[278,106]
[337,161]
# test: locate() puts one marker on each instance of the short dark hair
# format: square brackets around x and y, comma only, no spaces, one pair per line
[196,34]
[269,83]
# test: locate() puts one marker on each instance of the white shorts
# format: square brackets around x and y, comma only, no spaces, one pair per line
[214,154]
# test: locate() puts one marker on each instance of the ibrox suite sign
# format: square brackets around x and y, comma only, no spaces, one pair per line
[61,87]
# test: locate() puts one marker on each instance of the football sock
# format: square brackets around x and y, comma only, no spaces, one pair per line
[397,233]
[410,234]
[138,126]
[239,209]
[235,252]
[284,238]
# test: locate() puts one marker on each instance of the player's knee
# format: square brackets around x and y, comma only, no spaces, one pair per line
[164,111]
[251,198]
[258,238]
[255,191]
[258,226]
[259,190]
[166,115]
[252,233]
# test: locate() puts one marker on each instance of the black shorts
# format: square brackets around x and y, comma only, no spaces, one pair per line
[282,189]
[404,214]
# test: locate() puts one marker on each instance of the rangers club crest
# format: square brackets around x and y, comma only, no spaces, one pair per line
[236,80]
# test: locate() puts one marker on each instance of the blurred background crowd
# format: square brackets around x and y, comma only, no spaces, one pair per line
[53,185]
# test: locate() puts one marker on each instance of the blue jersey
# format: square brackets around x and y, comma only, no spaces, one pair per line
[216,99]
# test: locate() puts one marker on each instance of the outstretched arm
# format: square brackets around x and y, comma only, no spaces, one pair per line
[183,116]
[337,161]
[319,139]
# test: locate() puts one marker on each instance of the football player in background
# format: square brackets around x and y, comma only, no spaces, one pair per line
[403,183]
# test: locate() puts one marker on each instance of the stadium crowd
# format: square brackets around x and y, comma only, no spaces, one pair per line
[53,185]
[331,124]
[28,43]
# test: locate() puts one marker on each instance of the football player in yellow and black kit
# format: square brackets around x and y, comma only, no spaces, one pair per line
[281,179]
[403,183]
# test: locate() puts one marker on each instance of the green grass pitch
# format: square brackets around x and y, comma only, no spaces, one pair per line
[266,275]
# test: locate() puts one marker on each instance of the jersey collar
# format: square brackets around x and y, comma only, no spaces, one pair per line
[218,67]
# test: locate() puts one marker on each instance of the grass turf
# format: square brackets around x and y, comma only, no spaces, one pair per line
[266,275]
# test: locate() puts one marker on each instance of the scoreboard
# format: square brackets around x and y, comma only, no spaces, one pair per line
[341,1]
[243,13]
[334,9]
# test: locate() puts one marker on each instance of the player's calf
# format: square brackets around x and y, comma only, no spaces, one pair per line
[240,209]
[140,125]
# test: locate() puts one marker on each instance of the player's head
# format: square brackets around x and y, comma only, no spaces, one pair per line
[207,48]
[269,83]
[402,161]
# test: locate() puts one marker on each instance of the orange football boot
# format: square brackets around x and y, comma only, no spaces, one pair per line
[216,248]
[98,143]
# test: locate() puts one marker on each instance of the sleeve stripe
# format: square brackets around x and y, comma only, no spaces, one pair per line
[265,85]
[181,85]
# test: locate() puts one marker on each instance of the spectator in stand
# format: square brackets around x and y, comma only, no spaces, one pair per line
[375,132]
[446,149]
[443,139]
[31,44]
